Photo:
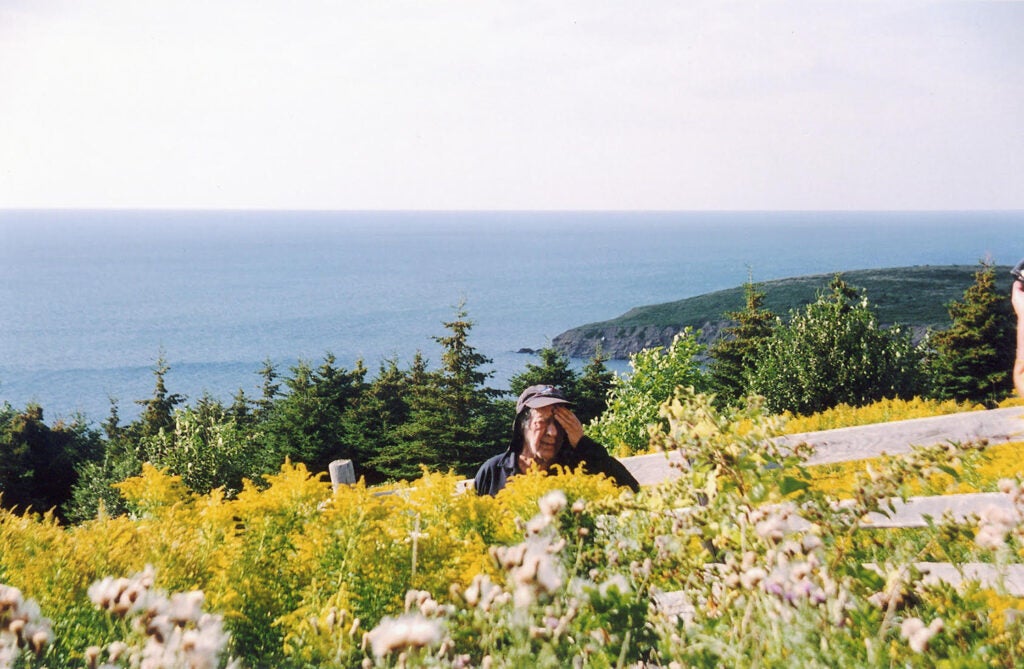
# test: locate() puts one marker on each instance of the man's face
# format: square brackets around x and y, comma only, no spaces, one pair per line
[543,437]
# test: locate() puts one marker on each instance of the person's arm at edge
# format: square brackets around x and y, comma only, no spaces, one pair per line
[1017,299]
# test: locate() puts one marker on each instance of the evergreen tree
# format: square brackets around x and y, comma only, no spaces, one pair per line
[452,422]
[587,391]
[121,458]
[38,462]
[315,422]
[158,411]
[593,387]
[271,387]
[972,359]
[733,356]
[112,425]
[384,408]
[833,352]
[553,370]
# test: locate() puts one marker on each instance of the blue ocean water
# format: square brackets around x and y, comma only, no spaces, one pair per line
[91,299]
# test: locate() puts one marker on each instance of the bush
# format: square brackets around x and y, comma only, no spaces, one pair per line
[634,398]
[834,352]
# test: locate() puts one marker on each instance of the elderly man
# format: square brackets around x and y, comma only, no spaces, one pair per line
[547,433]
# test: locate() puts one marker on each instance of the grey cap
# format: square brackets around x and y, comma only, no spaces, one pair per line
[540,396]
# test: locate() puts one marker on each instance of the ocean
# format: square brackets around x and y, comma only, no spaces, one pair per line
[91,299]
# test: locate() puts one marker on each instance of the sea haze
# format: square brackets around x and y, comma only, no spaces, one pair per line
[91,299]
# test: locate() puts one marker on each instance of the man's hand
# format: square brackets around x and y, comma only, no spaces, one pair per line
[572,425]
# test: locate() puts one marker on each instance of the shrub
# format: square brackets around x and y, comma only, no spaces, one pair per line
[881,411]
[834,352]
[634,398]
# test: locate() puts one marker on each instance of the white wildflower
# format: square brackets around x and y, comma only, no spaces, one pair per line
[185,607]
[552,503]
[407,631]
[752,577]
[990,537]
[618,581]
[918,634]
[994,523]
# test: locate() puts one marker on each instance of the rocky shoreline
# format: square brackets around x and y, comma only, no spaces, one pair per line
[619,342]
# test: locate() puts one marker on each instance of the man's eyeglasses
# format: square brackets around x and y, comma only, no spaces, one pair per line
[544,422]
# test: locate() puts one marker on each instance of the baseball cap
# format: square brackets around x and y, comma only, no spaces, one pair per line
[540,396]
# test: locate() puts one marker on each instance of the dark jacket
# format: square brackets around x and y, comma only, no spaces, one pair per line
[493,474]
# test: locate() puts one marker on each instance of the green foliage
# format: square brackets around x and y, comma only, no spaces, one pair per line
[593,387]
[914,296]
[635,398]
[553,370]
[972,359]
[834,351]
[733,356]
[452,419]
[209,448]
[37,462]
[158,411]
[314,422]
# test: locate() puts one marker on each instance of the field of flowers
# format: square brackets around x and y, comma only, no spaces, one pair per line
[769,560]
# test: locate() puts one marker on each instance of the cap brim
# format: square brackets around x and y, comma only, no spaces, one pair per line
[537,402]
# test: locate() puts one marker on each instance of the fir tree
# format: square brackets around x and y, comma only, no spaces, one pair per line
[733,356]
[158,411]
[452,421]
[593,387]
[553,370]
[271,387]
[316,422]
[972,359]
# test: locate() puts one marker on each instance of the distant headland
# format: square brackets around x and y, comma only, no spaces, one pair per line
[916,297]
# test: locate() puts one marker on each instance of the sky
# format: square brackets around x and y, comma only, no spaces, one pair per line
[512,105]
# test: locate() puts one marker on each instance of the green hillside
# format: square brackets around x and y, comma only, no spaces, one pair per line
[912,296]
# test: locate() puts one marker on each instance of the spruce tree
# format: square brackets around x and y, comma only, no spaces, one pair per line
[593,387]
[158,411]
[972,359]
[452,423]
[316,421]
[553,370]
[270,388]
[733,356]
[38,463]
[588,391]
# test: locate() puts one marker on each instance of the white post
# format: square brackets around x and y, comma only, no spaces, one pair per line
[342,473]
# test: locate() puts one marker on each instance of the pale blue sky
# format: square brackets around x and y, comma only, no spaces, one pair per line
[581,104]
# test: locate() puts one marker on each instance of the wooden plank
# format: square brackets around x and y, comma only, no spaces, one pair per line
[1008,579]
[869,441]
[914,511]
